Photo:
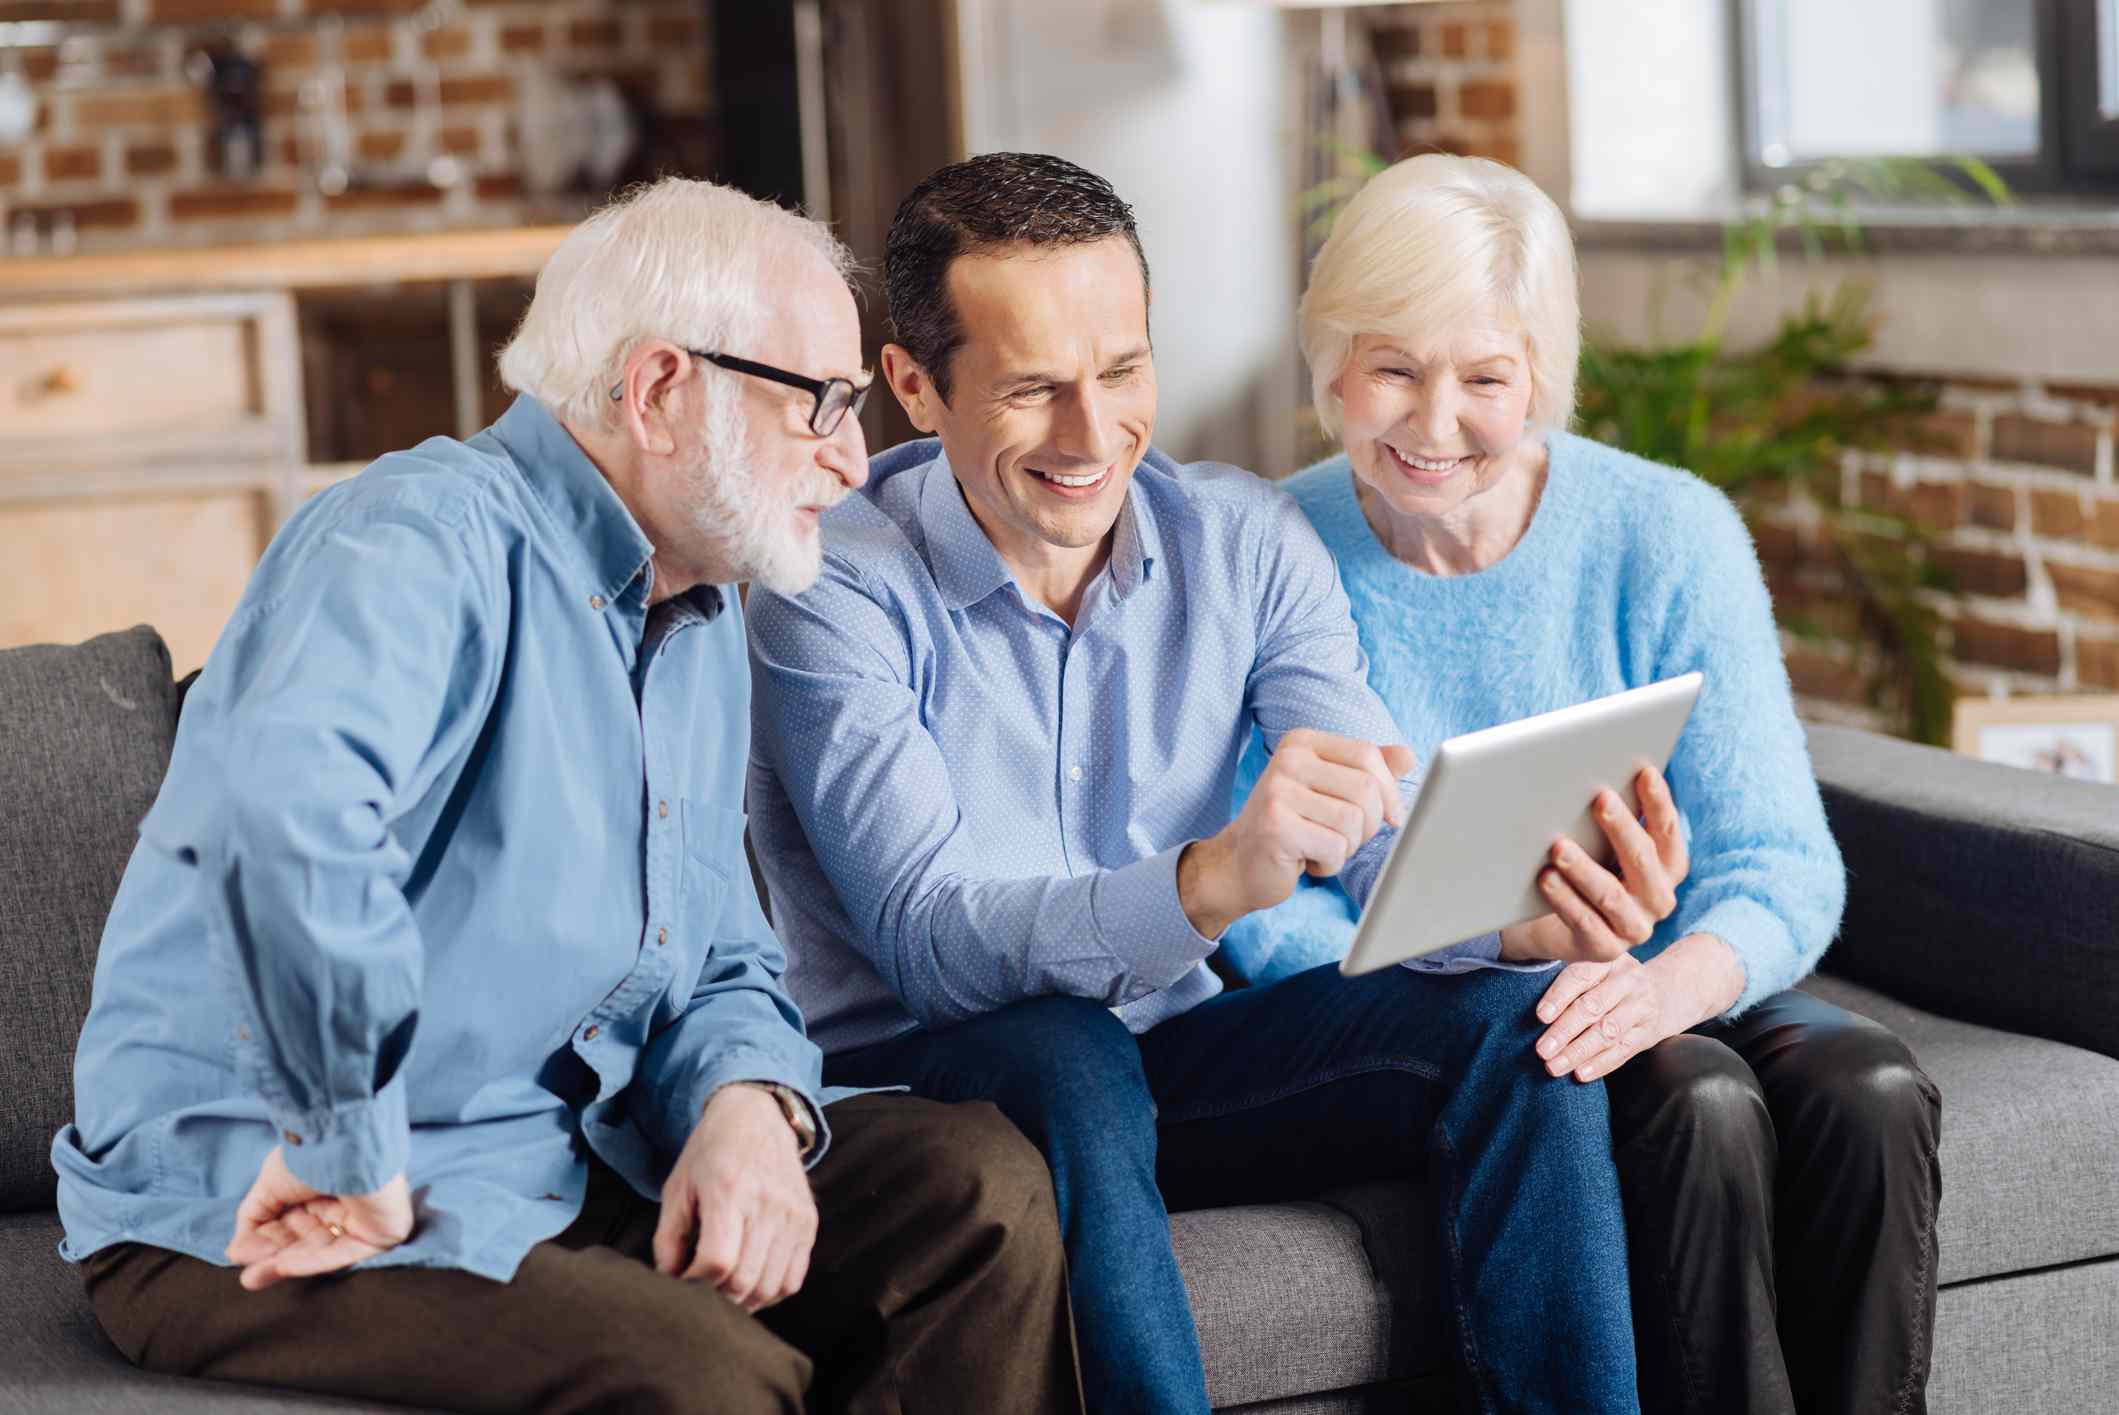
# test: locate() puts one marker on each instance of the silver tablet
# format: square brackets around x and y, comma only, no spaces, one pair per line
[1467,861]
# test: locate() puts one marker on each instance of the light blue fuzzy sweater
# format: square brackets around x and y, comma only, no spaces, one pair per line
[1630,572]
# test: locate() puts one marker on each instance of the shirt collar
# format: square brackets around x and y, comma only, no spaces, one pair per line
[966,565]
[1137,544]
[576,495]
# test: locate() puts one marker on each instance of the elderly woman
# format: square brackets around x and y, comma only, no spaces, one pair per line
[1777,1155]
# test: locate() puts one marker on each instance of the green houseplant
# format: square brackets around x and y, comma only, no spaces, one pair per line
[1770,424]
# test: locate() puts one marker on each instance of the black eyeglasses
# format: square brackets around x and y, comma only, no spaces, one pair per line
[834,397]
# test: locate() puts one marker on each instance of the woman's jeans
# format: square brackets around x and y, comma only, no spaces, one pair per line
[1282,1092]
[1781,1184]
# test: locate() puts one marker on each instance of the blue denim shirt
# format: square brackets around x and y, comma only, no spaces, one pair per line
[446,877]
[959,802]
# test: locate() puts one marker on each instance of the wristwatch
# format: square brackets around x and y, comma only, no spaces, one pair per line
[795,1109]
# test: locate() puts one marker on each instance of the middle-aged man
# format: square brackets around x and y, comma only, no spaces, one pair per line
[993,754]
[439,960]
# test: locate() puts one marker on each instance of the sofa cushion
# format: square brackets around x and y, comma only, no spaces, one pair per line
[2035,1343]
[2030,1129]
[57,1359]
[1287,1299]
[84,739]
[1296,1298]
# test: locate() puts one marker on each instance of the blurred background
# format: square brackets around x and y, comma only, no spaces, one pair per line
[1856,263]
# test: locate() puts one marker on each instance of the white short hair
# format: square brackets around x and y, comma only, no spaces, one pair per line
[1423,244]
[677,259]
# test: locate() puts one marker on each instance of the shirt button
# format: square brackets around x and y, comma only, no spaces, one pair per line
[595,601]
[290,1137]
[662,936]
[662,809]
[591,1032]
[1074,773]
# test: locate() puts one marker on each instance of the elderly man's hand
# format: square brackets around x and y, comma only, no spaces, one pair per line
[1598,915]
[284,1228]
[737,1211]
[1319,800]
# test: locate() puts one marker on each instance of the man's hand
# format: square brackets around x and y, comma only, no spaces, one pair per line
[284,1228]
[1319,800]
[1597,915]
[737,1211]
[1602,1015]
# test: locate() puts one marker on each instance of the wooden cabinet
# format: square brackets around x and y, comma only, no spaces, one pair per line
[153,434]
[149,448]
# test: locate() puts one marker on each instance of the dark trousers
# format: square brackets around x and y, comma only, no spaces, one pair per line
[1282,1092]
[1781,1184]
[936,1284]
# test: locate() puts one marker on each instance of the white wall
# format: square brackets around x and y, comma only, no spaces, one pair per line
[2032,317]
[1651,107]
[1182,106]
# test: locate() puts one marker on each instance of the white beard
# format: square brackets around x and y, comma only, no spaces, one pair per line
[759,538]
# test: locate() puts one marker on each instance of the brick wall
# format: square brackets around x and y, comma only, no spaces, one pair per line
[1449,76]
[2015,483]
[120,146]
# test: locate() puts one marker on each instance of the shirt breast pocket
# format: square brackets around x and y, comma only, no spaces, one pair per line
[714,866]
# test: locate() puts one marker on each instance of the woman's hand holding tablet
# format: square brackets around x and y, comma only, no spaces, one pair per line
[1598,914]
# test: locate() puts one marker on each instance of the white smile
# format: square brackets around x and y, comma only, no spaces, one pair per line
[1429,465]
[1073,483]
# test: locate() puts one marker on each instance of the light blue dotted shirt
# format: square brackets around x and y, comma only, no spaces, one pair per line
[959,802]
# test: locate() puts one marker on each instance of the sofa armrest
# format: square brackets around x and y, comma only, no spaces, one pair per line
[1985,893]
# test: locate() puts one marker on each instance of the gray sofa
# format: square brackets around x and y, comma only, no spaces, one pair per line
[1983,927]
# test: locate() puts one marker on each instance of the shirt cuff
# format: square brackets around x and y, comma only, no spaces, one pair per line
[1472,955]
[1143,924]
[744,1064]
[352,1149]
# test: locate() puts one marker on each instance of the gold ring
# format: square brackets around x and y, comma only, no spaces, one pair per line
[335,1230]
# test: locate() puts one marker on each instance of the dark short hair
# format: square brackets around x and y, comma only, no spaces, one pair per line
[998,199]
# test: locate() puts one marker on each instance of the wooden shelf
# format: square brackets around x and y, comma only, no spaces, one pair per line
[514,252]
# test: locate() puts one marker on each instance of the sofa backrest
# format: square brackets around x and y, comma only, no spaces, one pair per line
[85,733]
[1986,893]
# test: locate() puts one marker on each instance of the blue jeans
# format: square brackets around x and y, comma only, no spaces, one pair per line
[1282,1091]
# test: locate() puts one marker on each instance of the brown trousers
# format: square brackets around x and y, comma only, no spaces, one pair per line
[936,1284]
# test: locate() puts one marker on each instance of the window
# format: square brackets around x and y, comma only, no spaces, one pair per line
[2031,86]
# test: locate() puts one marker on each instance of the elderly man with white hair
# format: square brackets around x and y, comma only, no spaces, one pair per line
[438,1050]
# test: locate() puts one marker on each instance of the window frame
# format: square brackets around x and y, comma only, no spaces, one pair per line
[2090,137]
[2078,151]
